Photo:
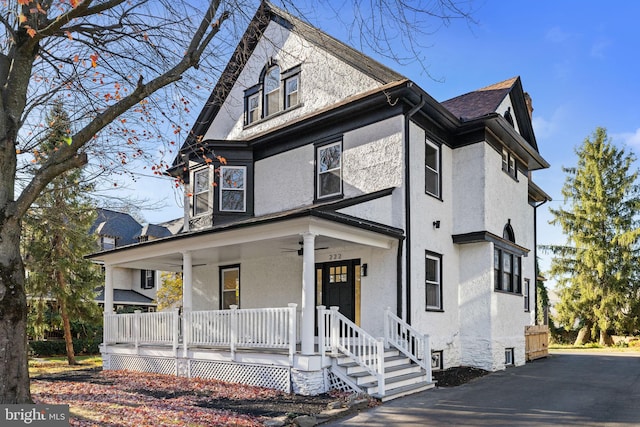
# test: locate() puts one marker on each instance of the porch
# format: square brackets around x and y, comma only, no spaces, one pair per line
[262,347]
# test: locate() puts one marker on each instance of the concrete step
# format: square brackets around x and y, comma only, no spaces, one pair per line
[352,367]
[389,372]
[407,390]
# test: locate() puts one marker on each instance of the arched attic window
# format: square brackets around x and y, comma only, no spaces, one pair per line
[507,116]
[508,234]
[271,100]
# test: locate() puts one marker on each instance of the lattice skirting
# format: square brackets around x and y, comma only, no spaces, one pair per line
[336,383]
[275,377]
[157,365]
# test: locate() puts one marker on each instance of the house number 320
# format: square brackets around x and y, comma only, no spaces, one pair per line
[334,257]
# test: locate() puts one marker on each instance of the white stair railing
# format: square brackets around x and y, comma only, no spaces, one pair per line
[408,340]
[338,334]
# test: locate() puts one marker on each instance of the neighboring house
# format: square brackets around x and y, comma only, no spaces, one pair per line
[344,185]
[132,289]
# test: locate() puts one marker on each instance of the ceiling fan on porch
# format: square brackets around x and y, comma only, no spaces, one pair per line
[300,250]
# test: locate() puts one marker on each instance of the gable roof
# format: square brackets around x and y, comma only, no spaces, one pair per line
[154,231]
[481,102]
[266,14]
[116,224]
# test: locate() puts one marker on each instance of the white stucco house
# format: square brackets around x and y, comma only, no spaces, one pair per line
[343,229]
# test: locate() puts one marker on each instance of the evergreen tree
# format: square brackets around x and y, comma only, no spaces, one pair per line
[597,268]
[56,238]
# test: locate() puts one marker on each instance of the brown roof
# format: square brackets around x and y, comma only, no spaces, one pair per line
[480,102]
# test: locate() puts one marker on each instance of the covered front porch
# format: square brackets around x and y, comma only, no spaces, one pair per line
[277,333]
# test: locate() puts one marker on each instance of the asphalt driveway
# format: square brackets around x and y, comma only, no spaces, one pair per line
[566,389]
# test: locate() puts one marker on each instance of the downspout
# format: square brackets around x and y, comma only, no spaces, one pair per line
[407,203]
[535,265]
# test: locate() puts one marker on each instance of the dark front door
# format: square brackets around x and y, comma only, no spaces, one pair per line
[338,286]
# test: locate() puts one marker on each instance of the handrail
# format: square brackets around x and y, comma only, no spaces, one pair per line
[408,340]
[339,334]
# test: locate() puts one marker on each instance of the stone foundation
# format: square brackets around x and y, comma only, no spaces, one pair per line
[308,383]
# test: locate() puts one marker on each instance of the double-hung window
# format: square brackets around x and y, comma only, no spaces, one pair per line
[432,169]
[229,286]
[509,164]
[272,91]
[329,170]
[147,279]
[433,281]
[202,191]
[233,194]
[275,91]
[507,271]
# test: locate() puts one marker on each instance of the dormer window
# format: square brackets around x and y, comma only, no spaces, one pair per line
[275,92]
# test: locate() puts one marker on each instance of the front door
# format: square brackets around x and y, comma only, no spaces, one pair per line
[336,284]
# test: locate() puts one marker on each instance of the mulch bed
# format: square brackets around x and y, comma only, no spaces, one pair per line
[454,377]
[208,402]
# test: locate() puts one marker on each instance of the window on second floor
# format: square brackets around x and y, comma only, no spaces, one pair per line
[509,163]
[272,91]
[329,170]
[432,169]
[201,191]
[233,194]
[433,281]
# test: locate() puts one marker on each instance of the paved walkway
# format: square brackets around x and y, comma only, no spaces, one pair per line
[565,389]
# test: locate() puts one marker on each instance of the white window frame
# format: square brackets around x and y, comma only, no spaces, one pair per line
[287,93]
[206,191]
[255,98]
[437,362]
[319,173]
[437,282]
[108,241]
[526,291]
[509,164]
[274,92]
[432,171]
[236,290]
[509,356]
[224,188]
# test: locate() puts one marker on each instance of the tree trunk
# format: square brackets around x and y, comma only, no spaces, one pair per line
[605,340]
[68,339]
[584,336]
[14,372]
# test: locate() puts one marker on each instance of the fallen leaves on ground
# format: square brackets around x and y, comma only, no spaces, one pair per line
[126,398]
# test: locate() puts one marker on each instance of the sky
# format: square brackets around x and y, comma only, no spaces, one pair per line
[577,59]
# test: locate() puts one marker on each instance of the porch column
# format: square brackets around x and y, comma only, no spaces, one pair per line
[108,289]
[187,281]
[308,293]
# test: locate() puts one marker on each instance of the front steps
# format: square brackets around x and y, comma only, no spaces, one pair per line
[401,376]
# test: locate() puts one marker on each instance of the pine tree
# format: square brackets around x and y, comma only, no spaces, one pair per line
[56,238]
[597,268]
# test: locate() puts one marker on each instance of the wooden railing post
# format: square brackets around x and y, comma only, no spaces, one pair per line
[380,367]
[175,330]
[233,324]
[427,356]
[321,331]
[387,331]
[186,331]
[136,329]
[334,329]
[292,331]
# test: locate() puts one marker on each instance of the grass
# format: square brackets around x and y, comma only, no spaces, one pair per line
[53,365]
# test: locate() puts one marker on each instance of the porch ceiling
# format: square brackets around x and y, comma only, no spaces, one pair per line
[231,246]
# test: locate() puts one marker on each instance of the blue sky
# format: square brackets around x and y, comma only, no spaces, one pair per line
[577,59]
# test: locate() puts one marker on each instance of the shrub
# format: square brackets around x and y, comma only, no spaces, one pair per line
[82,346]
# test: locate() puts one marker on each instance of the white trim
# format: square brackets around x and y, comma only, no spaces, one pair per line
[328,171]
[243,188]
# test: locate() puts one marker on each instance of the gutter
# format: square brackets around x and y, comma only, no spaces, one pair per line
[407,203]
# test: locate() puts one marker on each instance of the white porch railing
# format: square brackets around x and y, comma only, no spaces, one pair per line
[255,328]
[413,344]
[273,328]
[142,328]
[336,334]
